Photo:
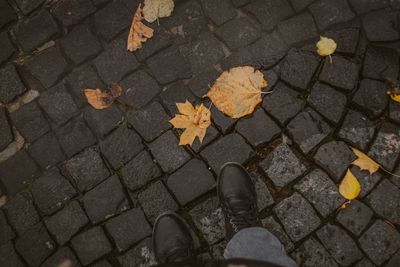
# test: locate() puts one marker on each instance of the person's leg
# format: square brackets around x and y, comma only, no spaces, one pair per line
[247,239]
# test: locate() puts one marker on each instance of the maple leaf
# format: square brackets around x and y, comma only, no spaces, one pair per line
[364,162]
[154,9]
[99,99]
[195,121]
[326,47]
[139,32]
[349,187]
[237,91]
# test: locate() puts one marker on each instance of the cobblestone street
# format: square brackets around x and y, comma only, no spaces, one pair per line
[87,184]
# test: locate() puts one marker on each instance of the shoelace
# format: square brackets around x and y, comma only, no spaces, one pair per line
[239,220]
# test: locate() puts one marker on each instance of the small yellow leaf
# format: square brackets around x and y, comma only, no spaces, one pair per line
[364,162]
[154,9]
[349,188]
[326,46]
[395,97]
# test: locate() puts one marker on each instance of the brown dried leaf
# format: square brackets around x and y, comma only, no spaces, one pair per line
[139,32]
[103,99]
[364,162]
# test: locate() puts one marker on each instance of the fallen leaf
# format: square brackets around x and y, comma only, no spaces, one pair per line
[393,89]
[103,99]
[154,9]
[195,121]
[326,46]
[139,32]
[238,91]
[364,162]
[349,188]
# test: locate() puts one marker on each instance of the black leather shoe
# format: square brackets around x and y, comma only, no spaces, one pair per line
[173,240]
[238,199]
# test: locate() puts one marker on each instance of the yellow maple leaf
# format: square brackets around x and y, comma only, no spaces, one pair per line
[139,32]
[364,162]
[326,46]
[154,9]
[195,121]
[237,91]
[349,187]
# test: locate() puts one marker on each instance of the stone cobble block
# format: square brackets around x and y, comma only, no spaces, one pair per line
[67,222]
[140,254]
[355,217]
[372,96]
[258,129]
[300,4]
[150,122]
[326,13]
[364,6]
[7,48]
[223,122]
[341,73]
[62,256]
[381,63]
[276,229]
[105,200]
[46,151]
[367,180]
[282,166]
[177,92]
[297,29]
[121,230]
[10,84]
[139,171]
[121,146]
[296,209]
[91,245]
[7,13]
[394,111]
[8,256]
[365,262]
[380,26]
[168,153]
[380,242]
[80,44]
[51,191]
[7,233]
[327,101]
[190,181]
[6,135]
[219,12]
[311,253]
[27,6]
[70,12]
[87,169]
[132,89]
[264,197]
[346,39]
[102,263]
[335,157]
[394,261]
[160,40]
[103,121]
[239,3]
[231,147]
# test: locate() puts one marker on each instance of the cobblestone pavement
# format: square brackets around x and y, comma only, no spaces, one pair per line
[86,184]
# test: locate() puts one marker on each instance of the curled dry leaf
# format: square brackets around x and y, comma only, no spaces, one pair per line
[364,162]
[238,91]
[139,32]
[103,99]
[195,121]
[154,9]
[326,46]
[349,188]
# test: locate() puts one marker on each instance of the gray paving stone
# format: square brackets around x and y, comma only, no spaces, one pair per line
[379,26]
[140,254]
[326,13]
[21,213]
[300,4]
[80,44]
[7,48]
[372,96]
[282,166]
[217,250]
[211,134]
[35,245]
[200,83]
[190,181]
[101,263]
[35,31]
[239,32]
[155,200]
[258,129]
[385,201]
[239,3]
[27,6]
[47,66]
[283,104]
[219,11]
[103,121]
[386,146]
[51,191]
[276,229]
[66,223]
[74,136]
[7,14]
[394,111]
[62,256]
[115,61]
[150,122]
[177,92]
[231,147]
[355,217]
[132,89]
[6,135]
[367,180]
[139,171]
[105,200]
[357,129]
[223,122]
[364,6]
[339,244]
[91,245]
[121,146]
[269,13]
[10,84]
[160,40]
[208,218]
[168,153]
[335,157]
[87,169]
[121,230]
[8,256]
[298,28]
[297,216]
[394,261]
[299,67]
[346,39]
[7,232]
[320,191]
[380,63]
[341,73]
[13,177]
[365,262]
[264,197]
[327,101]
[70,12]
[380,241]
[311,253]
